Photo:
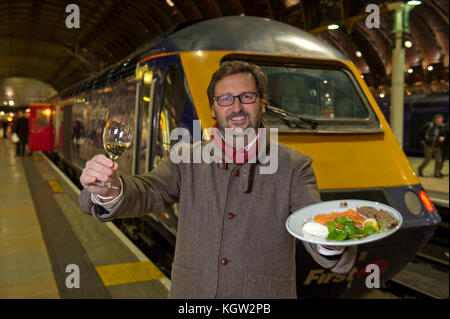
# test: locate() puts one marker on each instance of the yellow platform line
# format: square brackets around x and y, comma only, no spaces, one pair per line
[125,273]
[56,187]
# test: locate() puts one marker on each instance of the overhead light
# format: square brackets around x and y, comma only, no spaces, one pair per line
[2,113]
[5,102]
[333,27]
[382,95]
[290,3]
[430,68]
[410,70]
[170,3]
[11,102]
[408,44]
[358,54]
[414,3]
[9,92]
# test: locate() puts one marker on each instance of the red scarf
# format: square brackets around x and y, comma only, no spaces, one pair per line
[232,152]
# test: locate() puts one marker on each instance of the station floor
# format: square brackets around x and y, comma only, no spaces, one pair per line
[48,246]
[50,249]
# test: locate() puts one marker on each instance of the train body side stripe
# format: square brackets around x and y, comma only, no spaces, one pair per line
[156,56]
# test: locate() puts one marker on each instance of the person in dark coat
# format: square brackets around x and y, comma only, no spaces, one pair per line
[5,127]
[432,138]
[444,148]
[20,127]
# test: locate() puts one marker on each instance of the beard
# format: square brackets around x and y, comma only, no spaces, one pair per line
[253,122]
[240,134]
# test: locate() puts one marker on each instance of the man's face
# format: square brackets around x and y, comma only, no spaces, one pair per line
[237,115]
[438,121]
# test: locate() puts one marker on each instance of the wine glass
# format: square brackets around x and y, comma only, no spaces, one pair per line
[117,138]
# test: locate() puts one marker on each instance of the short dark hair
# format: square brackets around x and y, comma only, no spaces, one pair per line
[233,67]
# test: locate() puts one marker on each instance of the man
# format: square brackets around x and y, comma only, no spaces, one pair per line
[432,137]
[20,127]
[5,127]
[231,236]
[444,148]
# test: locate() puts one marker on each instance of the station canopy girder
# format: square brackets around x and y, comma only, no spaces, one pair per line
[35,42]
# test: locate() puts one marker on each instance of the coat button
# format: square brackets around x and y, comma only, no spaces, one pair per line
[230,215]
[236,173]
[224,261]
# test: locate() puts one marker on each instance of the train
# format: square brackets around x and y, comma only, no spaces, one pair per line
[163,85]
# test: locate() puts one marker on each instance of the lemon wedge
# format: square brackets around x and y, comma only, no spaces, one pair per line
[371,222]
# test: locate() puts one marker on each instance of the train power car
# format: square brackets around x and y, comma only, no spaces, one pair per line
[355,154]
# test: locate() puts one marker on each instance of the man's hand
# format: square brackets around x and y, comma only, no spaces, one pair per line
[100,168]
[332,247]
[441,138]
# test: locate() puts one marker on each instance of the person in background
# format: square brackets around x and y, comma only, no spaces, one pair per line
[20,127]
[432,137]
[5,127]
[444,148]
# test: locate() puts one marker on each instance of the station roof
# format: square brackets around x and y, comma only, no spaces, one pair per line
[36,43]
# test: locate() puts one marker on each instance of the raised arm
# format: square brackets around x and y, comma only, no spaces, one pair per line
[153,191]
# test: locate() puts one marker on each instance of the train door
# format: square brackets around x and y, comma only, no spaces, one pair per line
[41,127]
[167,115]
[143,123]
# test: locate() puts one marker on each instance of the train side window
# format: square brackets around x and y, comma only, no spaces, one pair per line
[142,138]
[172,104]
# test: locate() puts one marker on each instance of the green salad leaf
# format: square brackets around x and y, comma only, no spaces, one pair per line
[346,228]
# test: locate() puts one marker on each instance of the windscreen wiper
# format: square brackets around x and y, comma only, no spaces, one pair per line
[292,120]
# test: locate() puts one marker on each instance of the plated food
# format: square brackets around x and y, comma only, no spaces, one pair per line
[350,222]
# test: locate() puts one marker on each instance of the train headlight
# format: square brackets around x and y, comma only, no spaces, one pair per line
[412,202]
[426,201]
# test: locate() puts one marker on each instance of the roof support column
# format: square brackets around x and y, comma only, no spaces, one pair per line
[397,75]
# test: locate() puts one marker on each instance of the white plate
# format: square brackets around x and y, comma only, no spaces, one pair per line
[296,220]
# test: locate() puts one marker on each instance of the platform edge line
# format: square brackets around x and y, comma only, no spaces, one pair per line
[127,242]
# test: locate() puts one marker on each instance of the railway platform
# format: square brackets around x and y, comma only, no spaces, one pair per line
[50,249]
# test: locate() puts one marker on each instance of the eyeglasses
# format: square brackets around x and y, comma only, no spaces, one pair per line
[228,99]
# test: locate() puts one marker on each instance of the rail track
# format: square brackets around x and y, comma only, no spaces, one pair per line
[427,275]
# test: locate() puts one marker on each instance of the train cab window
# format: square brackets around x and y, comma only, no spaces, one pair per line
[327,95]
[172,104]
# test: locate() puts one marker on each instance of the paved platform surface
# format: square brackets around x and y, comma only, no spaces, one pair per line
[50,249]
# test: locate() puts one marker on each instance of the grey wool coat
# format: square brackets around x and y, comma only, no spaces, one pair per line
[231,238]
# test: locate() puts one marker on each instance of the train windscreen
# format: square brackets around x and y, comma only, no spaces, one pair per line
[328,96]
